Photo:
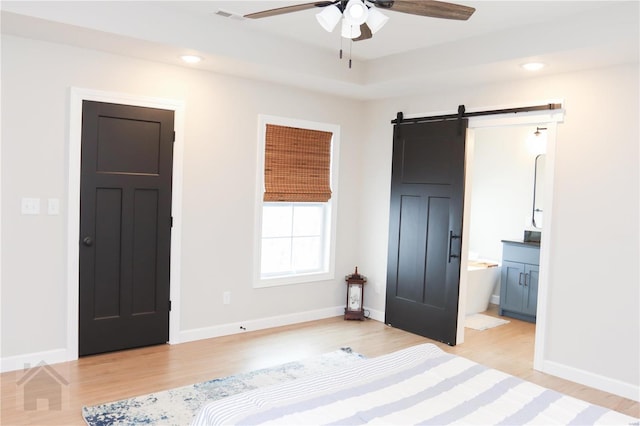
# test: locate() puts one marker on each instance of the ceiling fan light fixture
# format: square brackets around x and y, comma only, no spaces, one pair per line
[376,20]
[329,17]
[356,12]
[350,31]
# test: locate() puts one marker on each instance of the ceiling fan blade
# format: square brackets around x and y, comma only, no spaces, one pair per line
[365,33]
[431,8]
[288,9]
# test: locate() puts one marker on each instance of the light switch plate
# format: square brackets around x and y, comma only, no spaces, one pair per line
[30,206]
[53,206]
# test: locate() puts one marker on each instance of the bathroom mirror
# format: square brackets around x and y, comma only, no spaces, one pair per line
[538,192]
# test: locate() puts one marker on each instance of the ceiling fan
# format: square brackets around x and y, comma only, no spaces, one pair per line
[360,20]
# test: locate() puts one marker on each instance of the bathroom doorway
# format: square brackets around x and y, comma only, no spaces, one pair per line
[502,196]
[502,206]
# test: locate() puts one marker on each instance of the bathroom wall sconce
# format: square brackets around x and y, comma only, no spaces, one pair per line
[537,142]
[537,132]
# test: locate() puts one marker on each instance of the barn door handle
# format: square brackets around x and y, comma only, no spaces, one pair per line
[87,241]
[451,238]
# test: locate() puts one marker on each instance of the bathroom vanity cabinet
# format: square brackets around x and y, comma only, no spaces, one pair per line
[519,279]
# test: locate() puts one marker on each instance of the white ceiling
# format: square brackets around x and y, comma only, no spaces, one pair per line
[403,32]
[408,52]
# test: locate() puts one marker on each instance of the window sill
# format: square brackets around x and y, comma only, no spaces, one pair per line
[292,279]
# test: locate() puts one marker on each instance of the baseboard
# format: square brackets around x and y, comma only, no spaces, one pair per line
[617,387]
[495,299]
[257,324]
[20,362]
[374,314]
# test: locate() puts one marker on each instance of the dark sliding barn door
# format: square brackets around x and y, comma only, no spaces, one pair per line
[125,226]
[427,189]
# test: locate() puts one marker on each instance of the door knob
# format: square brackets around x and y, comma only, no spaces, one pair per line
[87,241]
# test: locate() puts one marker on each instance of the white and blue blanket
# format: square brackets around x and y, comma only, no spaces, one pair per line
[421,385]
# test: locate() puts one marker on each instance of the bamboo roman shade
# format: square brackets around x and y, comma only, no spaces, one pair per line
[297,164]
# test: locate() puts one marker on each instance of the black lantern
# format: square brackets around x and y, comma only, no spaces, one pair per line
[355,296]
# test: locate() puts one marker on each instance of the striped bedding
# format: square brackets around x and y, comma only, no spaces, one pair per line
[418,385]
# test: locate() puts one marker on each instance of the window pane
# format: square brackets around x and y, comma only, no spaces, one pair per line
[276,220]
[276,255]
[308,219]
[307,254]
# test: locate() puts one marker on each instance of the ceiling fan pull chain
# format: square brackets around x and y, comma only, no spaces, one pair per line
[350,48]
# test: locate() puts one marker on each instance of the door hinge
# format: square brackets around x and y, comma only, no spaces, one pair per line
[174,136]
[171,222]
[169,305]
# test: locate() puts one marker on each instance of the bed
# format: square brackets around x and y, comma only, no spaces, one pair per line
[418,385]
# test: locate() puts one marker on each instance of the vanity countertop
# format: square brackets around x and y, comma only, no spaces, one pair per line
[522,242]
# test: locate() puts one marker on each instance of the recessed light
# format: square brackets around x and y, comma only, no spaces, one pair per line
[533,66]
[191,59]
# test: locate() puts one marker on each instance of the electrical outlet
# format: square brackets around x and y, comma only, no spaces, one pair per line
[226,298]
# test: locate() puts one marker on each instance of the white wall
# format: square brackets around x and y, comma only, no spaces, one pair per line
[501,190]
[593,308]
[220,153]
[593,324]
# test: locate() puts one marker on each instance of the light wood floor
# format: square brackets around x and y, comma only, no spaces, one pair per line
[109,377]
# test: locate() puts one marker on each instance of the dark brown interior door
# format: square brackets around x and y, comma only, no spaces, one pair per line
[425,225]
[125,226]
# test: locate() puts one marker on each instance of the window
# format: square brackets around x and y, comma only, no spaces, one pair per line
[293,238]
[296,201]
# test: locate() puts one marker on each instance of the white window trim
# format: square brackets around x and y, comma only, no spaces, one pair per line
[263,120]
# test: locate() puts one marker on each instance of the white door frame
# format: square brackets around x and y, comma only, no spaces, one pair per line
[548,118]
[77,95]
